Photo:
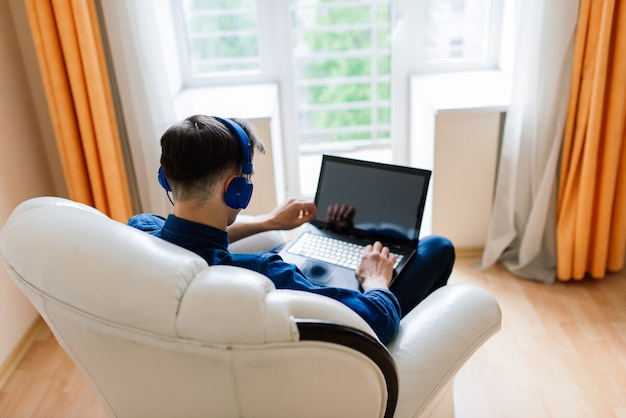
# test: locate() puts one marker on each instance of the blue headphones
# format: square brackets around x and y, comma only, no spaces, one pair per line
[239,191]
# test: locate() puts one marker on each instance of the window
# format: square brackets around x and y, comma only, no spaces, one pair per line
[220,37]
[459,32]
[341,59]
[346,59]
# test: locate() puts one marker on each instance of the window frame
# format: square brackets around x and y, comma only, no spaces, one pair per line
[403,11]
[277,67]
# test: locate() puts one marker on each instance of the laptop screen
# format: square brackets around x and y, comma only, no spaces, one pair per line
[364,198]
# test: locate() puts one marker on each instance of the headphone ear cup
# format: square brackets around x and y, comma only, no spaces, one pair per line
[163,180]
[238,193]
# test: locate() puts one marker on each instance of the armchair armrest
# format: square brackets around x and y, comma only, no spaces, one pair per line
[436,338]
[263,241]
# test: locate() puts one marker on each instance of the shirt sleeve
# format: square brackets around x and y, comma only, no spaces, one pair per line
[378,307]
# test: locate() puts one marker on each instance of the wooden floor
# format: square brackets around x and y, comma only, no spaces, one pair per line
[561,353]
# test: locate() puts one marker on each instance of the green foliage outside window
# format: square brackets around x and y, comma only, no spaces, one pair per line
[343,54]
[349,30]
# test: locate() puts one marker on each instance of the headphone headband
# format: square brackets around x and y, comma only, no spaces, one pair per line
[246,147]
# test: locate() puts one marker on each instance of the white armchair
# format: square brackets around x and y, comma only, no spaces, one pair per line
[159,333]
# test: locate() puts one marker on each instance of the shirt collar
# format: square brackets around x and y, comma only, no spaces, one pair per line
[176,228]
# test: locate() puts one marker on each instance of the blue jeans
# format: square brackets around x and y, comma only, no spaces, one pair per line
[428,271]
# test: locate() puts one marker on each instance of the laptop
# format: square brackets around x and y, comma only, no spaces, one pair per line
[359,202]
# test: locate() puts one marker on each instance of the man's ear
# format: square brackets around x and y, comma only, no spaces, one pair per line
[227,181]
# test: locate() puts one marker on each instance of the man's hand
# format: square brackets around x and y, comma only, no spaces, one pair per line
[376,267]
[291,214]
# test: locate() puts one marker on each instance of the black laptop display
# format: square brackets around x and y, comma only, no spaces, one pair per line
[359,202]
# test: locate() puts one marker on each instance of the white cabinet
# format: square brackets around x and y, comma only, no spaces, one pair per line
[456,122]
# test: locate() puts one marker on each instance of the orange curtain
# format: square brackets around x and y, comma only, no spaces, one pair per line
[591,210]
[71,58]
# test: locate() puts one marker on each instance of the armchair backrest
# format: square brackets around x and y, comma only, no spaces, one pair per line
[158,332]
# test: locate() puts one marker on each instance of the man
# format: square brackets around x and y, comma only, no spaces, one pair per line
[206,163]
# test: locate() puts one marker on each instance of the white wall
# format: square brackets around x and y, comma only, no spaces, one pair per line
[25,171]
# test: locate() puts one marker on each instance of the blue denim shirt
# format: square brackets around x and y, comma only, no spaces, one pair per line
[378,307]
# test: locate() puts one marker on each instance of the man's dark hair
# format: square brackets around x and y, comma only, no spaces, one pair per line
[198,151]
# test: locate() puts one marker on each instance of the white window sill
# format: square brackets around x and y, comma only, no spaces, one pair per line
[256,101]
[481,91]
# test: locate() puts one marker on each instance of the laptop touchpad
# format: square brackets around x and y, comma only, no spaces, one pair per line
[317,272]
[324,274]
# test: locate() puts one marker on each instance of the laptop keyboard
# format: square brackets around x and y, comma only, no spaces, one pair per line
[331,250]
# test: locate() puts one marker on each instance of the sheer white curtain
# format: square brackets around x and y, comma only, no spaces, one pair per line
[147,81]
[523,222]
